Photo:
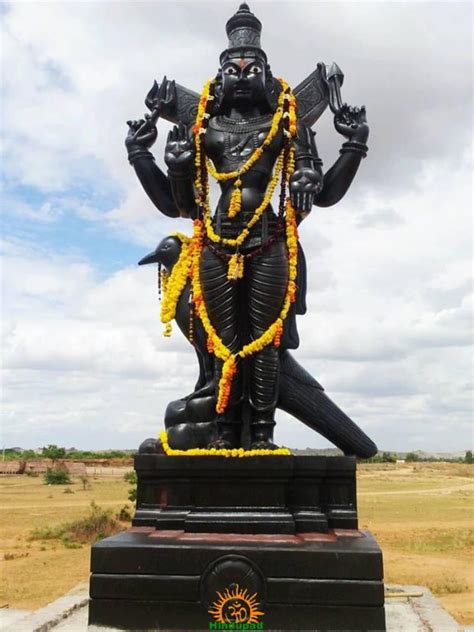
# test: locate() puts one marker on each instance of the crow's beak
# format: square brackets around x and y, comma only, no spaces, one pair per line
[150,258]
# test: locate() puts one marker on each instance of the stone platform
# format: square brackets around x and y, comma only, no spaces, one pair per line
[150,579]
[266,494]
[407,608]
[268,540]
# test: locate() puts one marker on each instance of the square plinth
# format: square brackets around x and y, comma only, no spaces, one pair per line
[267,494]
[172,579]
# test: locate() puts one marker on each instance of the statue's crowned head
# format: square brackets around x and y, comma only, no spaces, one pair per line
[243,30]
[245,75]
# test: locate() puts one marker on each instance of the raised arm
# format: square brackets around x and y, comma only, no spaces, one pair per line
[141,136]
[179,156]
[351,123]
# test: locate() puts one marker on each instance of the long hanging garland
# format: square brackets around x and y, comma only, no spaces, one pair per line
[204,234]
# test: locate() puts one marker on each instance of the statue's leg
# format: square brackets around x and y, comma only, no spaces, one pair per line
[267,281]
[221,296]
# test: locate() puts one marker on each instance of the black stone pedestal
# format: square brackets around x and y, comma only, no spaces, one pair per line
[259,543]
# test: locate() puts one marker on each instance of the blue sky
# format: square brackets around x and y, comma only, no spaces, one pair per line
[388,329]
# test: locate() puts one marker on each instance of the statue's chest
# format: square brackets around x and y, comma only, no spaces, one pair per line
[229,145]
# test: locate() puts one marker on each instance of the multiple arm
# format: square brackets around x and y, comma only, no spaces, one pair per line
[179,157]
[141,135]
[351,123]
[174,194]
[307,179]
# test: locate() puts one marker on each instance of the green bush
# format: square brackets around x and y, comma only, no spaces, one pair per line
[125,515]
[100,523]
[57,476]
[131,477]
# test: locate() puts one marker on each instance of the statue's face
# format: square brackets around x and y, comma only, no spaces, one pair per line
[243,79]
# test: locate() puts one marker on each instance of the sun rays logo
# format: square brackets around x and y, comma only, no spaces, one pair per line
[235,609]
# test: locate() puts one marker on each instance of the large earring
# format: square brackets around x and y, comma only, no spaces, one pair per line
[272,89]
[218,93]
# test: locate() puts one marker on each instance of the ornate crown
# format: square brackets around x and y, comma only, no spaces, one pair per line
[243,30]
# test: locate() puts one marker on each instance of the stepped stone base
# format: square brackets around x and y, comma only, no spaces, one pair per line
[261,543]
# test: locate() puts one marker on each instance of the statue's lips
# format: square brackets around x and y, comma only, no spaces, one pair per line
[242,92]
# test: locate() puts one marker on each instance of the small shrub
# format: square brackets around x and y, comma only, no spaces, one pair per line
[46,533]
[57,476]
[448,587]
[100,523]
[125,515]
[85,482]
[32,473]
[131,477]
[14,556]
[68,490]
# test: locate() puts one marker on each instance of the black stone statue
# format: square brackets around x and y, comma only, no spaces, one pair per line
[244,125]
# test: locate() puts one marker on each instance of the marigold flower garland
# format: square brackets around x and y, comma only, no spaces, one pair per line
[236,452]
[284,166]
[173,284]
[188,264]
[235,204]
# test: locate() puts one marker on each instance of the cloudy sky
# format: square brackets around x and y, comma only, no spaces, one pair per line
[388,326]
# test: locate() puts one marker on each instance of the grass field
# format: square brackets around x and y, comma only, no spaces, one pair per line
[422,517]
[421,514]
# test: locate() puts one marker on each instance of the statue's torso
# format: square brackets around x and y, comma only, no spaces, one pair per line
[229,143]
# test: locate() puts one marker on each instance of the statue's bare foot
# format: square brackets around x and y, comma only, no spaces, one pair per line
[151,446]
[222,444]
[263,445]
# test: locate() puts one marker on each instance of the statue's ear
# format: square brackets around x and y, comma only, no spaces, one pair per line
[272,89]
[218,93]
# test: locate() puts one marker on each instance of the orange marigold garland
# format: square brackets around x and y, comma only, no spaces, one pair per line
[189,262]
[234,452]
[173,284]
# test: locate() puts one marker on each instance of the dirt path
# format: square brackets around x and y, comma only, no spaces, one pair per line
[431,490]
[80,503]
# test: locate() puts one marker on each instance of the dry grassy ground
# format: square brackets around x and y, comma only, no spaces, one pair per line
[35,572]
[421,515]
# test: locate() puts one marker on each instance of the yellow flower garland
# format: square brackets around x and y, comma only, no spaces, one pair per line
[274,331]
[239,240]
[173,284]
[189,261]
[236,197]
[236,452]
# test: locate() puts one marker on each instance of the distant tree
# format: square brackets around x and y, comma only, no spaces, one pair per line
[377,458]
[28,455]
[468,458]
[411,457]
[53,452]
[388,457]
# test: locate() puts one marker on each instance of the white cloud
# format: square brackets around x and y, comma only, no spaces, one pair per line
[388,320]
